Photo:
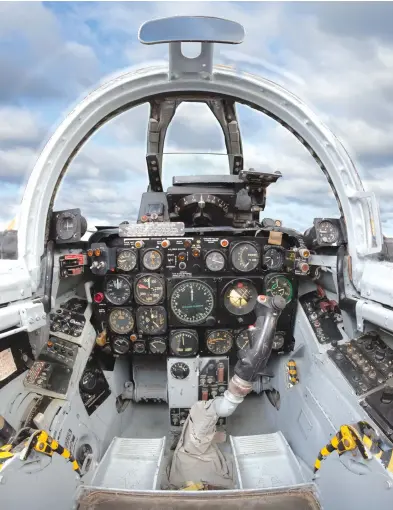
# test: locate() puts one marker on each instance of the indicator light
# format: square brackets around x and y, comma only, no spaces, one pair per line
[133,338]
[165,243]
[181,257]
[224,243]
[304,268]
[139,244]
[196,253]
[277,223]
[144,218]
[304,253]
[98,297]
[97,252]
[90,253]
[49,343]
[262,298]
[187,243]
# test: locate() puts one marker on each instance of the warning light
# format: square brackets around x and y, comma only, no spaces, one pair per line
[224,243]
[139,244]
[133,337]
[187,243]
[181,257]
[165,243]
[99,297]
[196,253]
[304,268]
[262,298]
[304,253]
[89,253]
[97,252]
[49,343]
[240,285]
[144,218]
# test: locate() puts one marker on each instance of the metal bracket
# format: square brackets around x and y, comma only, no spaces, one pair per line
[33,316]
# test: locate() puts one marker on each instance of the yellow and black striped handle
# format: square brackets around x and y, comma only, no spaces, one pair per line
[5,454]
[292,372]
[44,443]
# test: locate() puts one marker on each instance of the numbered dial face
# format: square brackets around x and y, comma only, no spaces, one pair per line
[149,289]
[192,301]
[120,345]
[126,260]
[66,226]
[240,297]
[139,347]
[215,261]
[151,320]
[280,286]
[152,260]
[184,342]
[243,340]
[273,258]
[245,257]
[157,346]
[180,370]
[117,290]
[219,342]
[121,321]
[328,232]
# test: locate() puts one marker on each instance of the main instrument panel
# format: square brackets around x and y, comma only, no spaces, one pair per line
[189,295]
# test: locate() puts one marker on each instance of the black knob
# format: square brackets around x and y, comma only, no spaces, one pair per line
[278,302]
[210,321]
[379,355]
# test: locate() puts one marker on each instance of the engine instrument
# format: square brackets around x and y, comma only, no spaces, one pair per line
[215,261]
[117,289]
[273,258]
[245,257]
[242,339]
[278,285]
[192,301]
[219,342]
[180,370]
[157,345]
[184,342]
[126,260]
[120,345]
[121,320]
[151,320]
[149,289]
[240,297]
[152,260]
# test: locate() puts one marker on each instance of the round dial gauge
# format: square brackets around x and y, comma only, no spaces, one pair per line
[126,260]
[139,347]
[328,232]
[219,342]
[184,342]
[180,370]
[121,320]
[273,258]
[280,286]
[215,261]
[245,257]
[149,289]
[152,260]
[243,340]
[117,290]
[240,297]
[157,345]
[192,301]
[66,226]
[151,320]
[120,345]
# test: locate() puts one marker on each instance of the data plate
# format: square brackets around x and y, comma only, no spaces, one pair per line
[159,229]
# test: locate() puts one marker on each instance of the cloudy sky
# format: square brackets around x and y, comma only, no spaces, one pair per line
[337,57]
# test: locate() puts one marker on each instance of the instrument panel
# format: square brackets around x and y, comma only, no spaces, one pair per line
[189,296]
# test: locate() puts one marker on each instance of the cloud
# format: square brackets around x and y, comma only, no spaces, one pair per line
[19,125]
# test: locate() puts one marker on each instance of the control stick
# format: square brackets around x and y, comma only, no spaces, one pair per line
[254,359]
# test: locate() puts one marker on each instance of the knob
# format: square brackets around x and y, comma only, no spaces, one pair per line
[379,355]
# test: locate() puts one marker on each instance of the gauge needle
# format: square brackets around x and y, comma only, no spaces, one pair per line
[148,282]
[192,294]
[141,286]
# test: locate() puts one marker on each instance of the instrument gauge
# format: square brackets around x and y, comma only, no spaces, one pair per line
[157,345]
[240,297]
[152,260]
[120,345]
[245,257]
[180,370]
[273,258]
[149,289]
[243,339]
[215,261]
[121,320]
[184,342]
[126,260]
[151,320]
[192,301]
[219,342]
[279,286]
[66,226]
[117,289]
[328,233]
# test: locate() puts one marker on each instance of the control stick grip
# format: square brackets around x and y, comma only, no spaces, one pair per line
[255,358]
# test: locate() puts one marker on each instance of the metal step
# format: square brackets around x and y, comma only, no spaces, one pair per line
[130,464]
[265,461]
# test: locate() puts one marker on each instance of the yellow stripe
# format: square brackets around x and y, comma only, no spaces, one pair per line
[367,441]
[334,442]
[317,464]
[390,465]
[6,455]
[325,451]
[75,465]
[379,454]
[66,454]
